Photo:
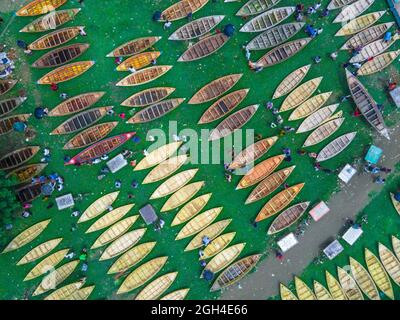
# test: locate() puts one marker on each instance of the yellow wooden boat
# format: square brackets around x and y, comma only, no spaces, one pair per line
[158,155]
[396,246]
[334,287]
[359,24]
[177,295]
[190,209]
[321,292]
[165,169]
[38,7]
[286,294]
[182,195]
[353,10]
[139,61]
[27,236]
[217,245]
[318,118]
[143,76]
[379,63]
[310,106]
[134,47]
[323,132]
[142,274]
[39,251]
[390,262]
[181,9]
[66,72]
[157,287]
[110,218]
[302,290]
[291,81]
[65,291]
[396,204]
[349,285]
[99,206]
[224,258]
[198,223]
[27,172]
[81,294]
[132,257]
[364,280]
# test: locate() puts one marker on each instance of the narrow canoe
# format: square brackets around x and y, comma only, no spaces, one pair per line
[110,218]
[321,292]
[182,195]
[51,21]
[390,262]
[353,10]
[233,122]
[81,294]
[157,287]
[396,246]
[291,81]
[279,202]
[156,111]
[318,118]
[177,295]
[181,9]
[364,280]
[143,76]
[310,106]
[55,38]
[396,204]
[196,28]
[224,258]
[253,7]
[268,19]
[301,94]
[303,291]
[158,155]
[29,192]
[76,104]
[66,291]
[8,105]
[373,49]
[6,124]
[6,85]
[336,146]
[235,272]
[334,287]
[191,209]
[323,132]
[165,169]
[288,217]
[349,285]
[142,274]
[223,106]
[286,294]
[38,7]
[204,47]
[337,4]
[139,60]
[66,72]
[39,251]
[379,63]
[215,88]
[98,206]
[217,245]
[260,171]
[60,56]
[269,185]
[147,97]
[359,24]
[134,47]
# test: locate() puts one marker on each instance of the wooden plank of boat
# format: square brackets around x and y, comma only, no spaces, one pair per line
[286,294]
[65,291]
[268,19]
[334,287]
[275,36]
[217,245]
[110,218]
[349,285]
[269,185]
[81,294]
[260,171]
[310,106]
[396,246]
[323,132]
[27,236]
[373,49]
[174,183]
[158,155]
[165,169]
[182,195]
[318,118]
[301,94]
[148,97]
[353,10]
[157,287]
[198,223]
[336,146]
[395,203]
[6,124]
[390,262]
[253,7]
[8,105]
[29,192]
[38,7]
[212,231]
[181,9]
[156,111]
[98,206]
[196,28]
[224,258]
[302,290]
[215,88]
[100,148]
[321,293]
[337,4]
[60,56]
[204,47]
[122,244]
[51,20]
[233,122]
[359,24]
[134,47]
[142,274]
[139,60]
[55,38]
[288,217]
[283,52]
[291,81]
[190,209]
[39,251]
[131,257]
[76,104]
[379,274]
[6,85]
[176,295]
[364,280]
[143,76]
[379,63]
[66,72]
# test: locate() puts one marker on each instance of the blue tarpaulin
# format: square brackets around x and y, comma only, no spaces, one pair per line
[373,155]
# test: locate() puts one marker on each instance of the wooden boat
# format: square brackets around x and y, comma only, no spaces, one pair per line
[252,153]
[275,36]
[60,56]
[215,88]
[27,236]
[353,10]
[212,231]
[6,85]
[142,274]
[158,155]
[177,295]
[395,203]
[291,81]
[223,106]
[131,257]
[181,9]
[283,52]
[156,111]
[364,280]
[303,291]
[260,171]
[6,124]
[98,206]
[268,19]
[379,63]
[337,4]
[396,246]
[217,245]
[367,36]
[288,217]
[191,209]
[165,169]
[66,72]
[253,7]
[39,251]
[114,232]
[224,258]
[182,195]
[110,218]
[143,76]
[279,202]
[51,21]
[99,148]
[336,146]
[196,28]
[301,94]
[139,60]
[310,106]
[204,47]
[233,122]
[8,105]
[38,7]
[29,192]
[390,262]
[157,287]
[349,285]
[321,293]
[55,38]
[373,49]
[174,183]
[65,291]
[76,104]
[379,274]
[269,185]
[198,223]
[318,118]
[286,294]
[134,47]
[148,97]
[334,287]
[323,132]
[122,244]
[359,24]
[81,294]
[235,272]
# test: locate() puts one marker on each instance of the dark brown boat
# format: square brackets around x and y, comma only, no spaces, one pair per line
[7,85]
[29,192]
[134,47]
[76,104]
[26,173]
[288,217]
[8,105]
[55,38]
[60,56]
[6,124]
[18,157]
[148,97]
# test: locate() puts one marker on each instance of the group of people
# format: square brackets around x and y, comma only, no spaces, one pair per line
[376,170]
[7,65]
